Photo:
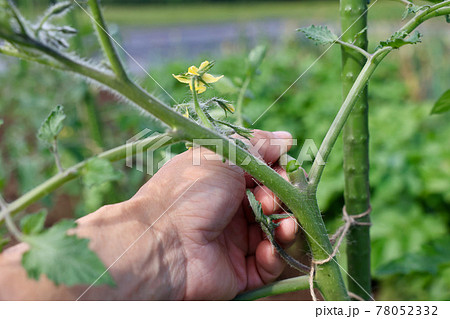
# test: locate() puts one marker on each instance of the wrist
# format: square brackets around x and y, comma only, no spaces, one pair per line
[141,246]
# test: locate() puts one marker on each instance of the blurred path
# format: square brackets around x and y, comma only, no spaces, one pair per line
[154,46]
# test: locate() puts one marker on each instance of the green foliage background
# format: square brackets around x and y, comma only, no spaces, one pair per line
[410,157]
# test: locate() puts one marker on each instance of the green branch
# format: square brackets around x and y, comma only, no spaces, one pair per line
[438,9]
[14,53]
[276,288]
[106,41]
[12,228]
[240,100]
[360,83]
[336,127]
[73,172]
[355,47]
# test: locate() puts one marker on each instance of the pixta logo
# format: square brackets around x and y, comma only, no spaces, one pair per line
[143,145]
[140,151]
[308,152]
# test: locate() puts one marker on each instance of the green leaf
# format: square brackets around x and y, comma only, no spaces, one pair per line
[319,34]
[406,265]
[432,255]
[33,223]
[222,103]
[242,131]
[254,204]
[397,40]
[411,8]
[255,58]
[415,38]
[59,9]
[406,12]
[62,258]
[442,105]
[1,122]
[292,166]
[67,30]
[52,125]
[98,171]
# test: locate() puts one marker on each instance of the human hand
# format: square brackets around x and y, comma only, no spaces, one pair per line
[224,250]
[188,233]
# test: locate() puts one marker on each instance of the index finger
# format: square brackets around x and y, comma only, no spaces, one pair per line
[269,146]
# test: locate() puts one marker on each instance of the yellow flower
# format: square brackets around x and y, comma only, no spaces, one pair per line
[200,76]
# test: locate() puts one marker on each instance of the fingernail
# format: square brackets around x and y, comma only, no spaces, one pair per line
[296,227]
[282,135]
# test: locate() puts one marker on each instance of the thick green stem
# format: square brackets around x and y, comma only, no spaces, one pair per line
[106,41]
[356,149]
[358,87]
[71,173]
[276,288]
